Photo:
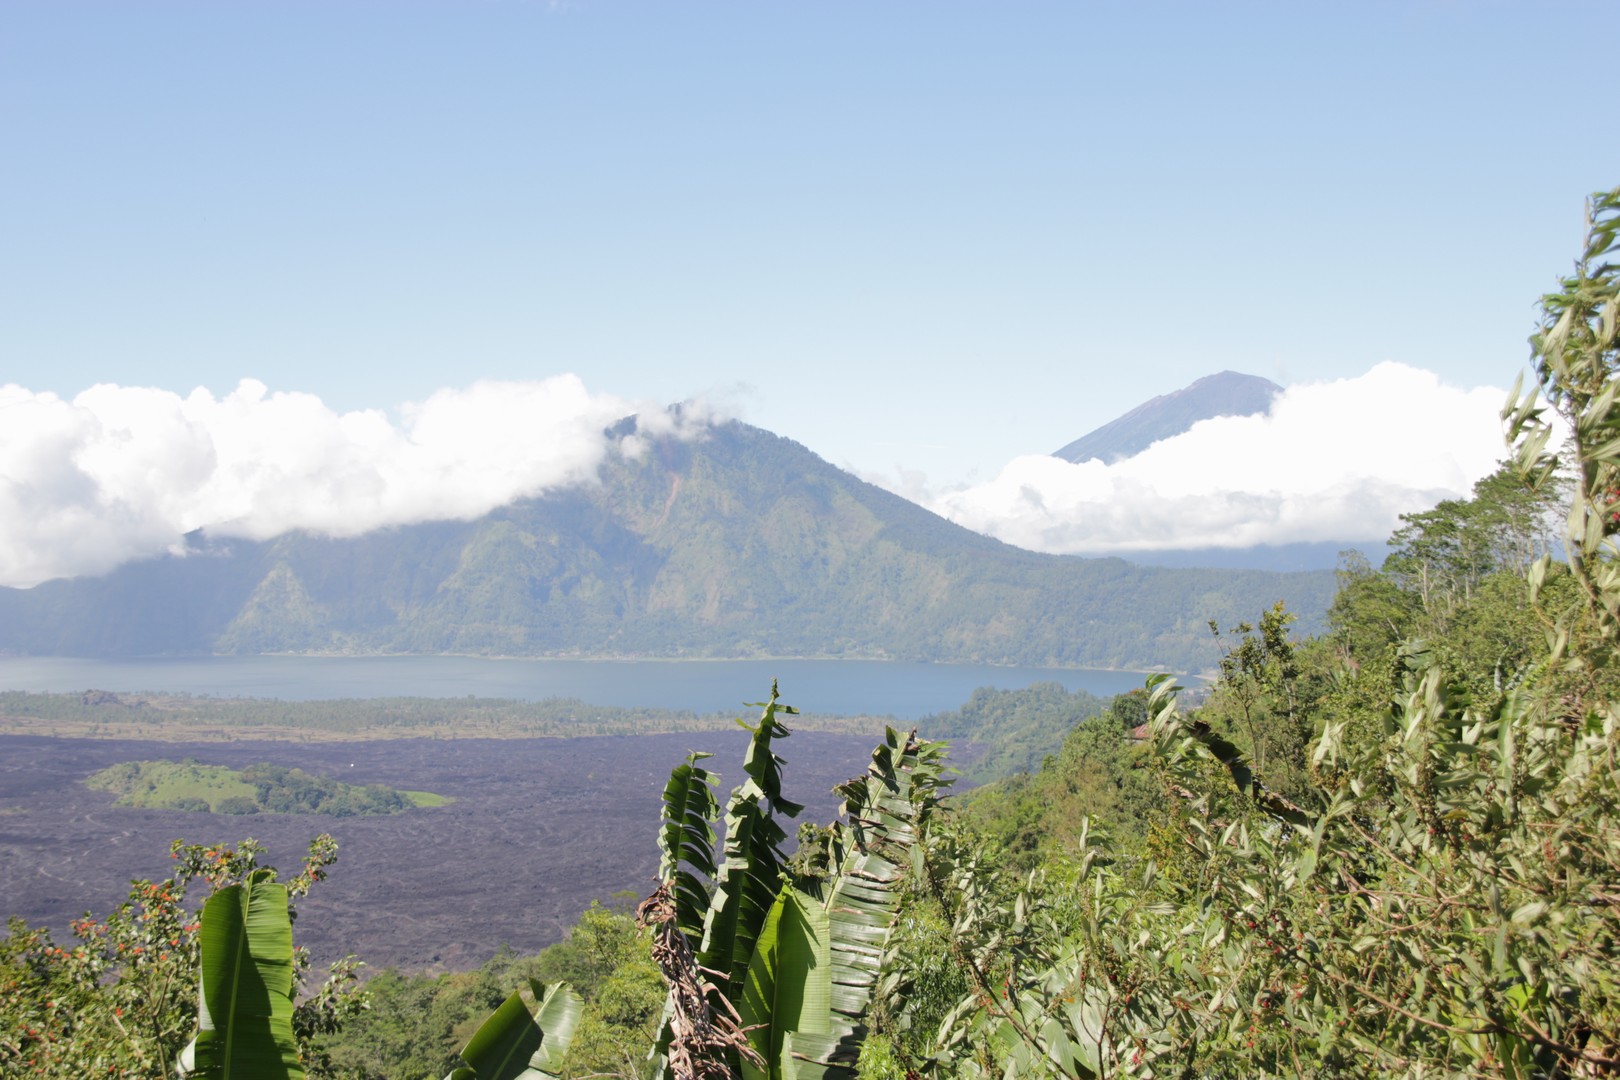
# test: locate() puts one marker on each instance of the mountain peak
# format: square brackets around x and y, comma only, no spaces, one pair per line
[1228,393]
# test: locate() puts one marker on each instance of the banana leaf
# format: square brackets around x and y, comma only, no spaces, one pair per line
[751,874]
[686,844]
[245,1004]
[817,960]
[789,984]
[517,1044]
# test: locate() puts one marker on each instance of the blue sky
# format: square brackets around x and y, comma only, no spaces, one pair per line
[920,236]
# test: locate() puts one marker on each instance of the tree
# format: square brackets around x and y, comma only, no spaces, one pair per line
[1260,697]
[1575,352]
[1443,555]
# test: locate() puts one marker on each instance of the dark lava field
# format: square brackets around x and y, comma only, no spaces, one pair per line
[539,828]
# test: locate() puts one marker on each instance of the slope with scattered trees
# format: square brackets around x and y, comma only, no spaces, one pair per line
[257,789]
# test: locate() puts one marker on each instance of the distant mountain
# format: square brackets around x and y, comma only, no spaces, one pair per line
[1226,394]
[741,544]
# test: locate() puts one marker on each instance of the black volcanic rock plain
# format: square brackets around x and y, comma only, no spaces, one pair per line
[538,829]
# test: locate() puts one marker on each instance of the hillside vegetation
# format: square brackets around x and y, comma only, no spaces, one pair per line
[1010,731]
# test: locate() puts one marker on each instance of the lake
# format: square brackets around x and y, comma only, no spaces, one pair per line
[905,691]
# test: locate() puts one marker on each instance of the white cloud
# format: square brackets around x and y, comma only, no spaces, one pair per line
[1331,461]
[124,472]
[912,485]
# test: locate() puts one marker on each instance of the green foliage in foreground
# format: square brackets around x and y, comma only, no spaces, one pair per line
[267,789]
[414,1023]
[122,1000]
[520,1042]
[772,965]
[247,981]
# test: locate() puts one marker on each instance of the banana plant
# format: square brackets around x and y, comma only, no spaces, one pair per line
[708,915]
[751,874]
[686,844]
[852,911]
[783,975]
[245,1005]
[517,1044]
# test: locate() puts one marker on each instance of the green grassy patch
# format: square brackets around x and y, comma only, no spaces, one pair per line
[257,789]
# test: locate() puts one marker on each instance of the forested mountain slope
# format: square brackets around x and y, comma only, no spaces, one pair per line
[741,544]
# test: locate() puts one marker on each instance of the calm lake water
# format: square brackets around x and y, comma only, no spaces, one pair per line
[905,691]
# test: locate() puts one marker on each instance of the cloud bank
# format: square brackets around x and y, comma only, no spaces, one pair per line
[120,473]
[1336,461]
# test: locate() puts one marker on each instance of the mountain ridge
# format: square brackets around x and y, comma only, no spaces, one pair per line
[740,544]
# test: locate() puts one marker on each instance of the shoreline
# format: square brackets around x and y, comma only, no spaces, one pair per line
[595,658]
